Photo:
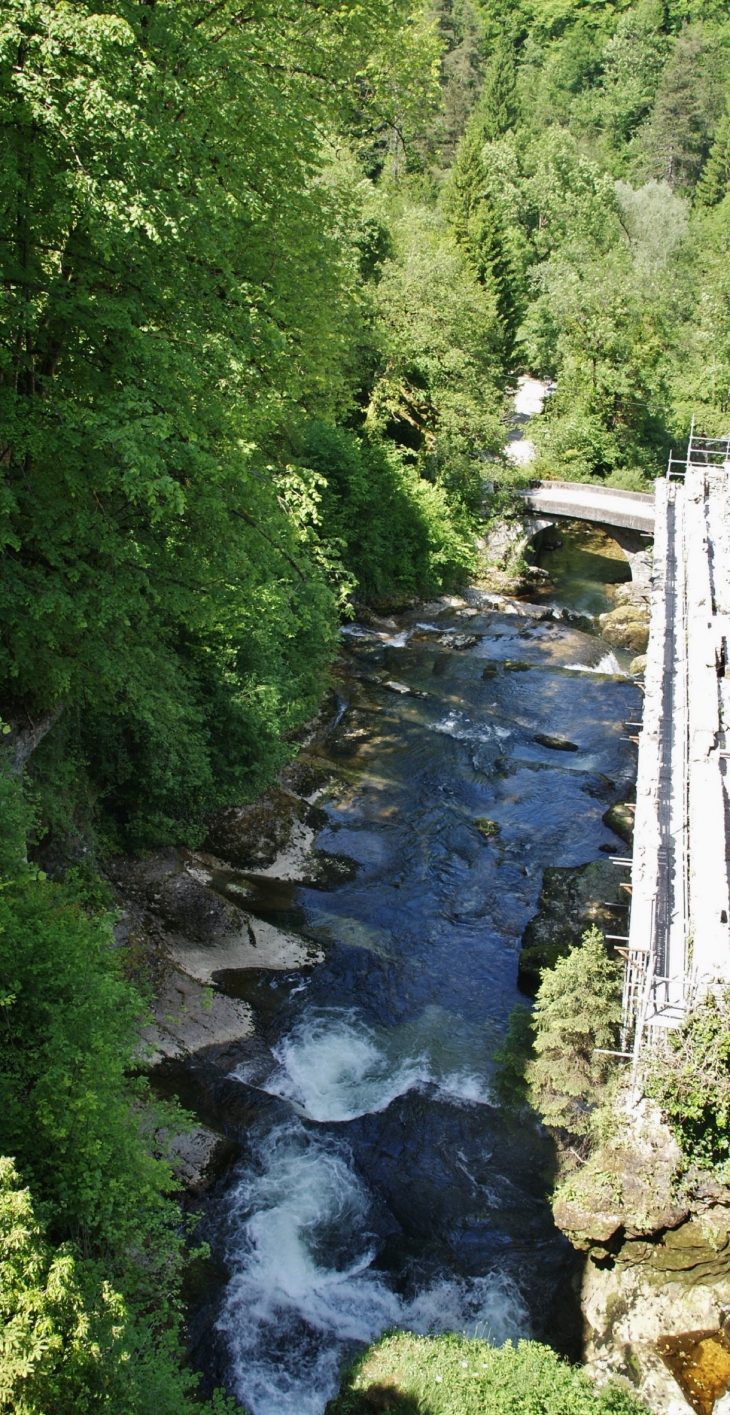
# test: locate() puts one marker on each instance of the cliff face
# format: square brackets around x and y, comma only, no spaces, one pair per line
[655,1287]
[654,1311]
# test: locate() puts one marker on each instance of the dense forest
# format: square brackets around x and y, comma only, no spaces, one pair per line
[268,271]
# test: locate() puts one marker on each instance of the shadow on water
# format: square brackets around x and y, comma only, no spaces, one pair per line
[379,1183]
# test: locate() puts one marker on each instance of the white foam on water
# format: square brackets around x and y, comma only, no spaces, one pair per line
[332,1067]
[608,664]
[462,729]
[302,1285]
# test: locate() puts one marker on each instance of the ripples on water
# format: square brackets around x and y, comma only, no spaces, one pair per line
[380,1185]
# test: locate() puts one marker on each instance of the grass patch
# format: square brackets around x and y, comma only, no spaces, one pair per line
[455,1375]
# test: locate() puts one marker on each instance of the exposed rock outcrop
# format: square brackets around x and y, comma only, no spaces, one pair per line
[571,900]
[627,626]
[654,1300]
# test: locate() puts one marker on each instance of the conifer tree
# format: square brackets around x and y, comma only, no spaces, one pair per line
[498,109]
[715,180]
[578,1009]
[473,209]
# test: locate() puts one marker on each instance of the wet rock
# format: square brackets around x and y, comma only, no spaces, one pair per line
[515,665]
[394,687]
[190,1018]
[571,900]
[638,665]
[486,827]
[490,670]
[620,819]
[491,601]
[250,837]
[556,744]
[458,641]
[196,1157]
[306,778]
[627,626]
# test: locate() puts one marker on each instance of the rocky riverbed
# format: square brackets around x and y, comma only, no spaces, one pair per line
[333,969]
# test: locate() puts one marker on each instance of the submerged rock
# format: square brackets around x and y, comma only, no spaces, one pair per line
[486,827]
[556,744]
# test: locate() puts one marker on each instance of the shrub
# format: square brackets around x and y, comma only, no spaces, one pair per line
[690,1079]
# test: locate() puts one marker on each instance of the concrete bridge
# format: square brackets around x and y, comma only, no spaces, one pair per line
[677,944]
[627,516]
[577,501]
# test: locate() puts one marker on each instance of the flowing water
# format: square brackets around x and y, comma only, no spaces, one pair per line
[380,1184]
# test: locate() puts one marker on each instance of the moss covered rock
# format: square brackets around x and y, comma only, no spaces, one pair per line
[571,900]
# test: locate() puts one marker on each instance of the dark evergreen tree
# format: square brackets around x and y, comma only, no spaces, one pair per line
[498,109]
[715,180]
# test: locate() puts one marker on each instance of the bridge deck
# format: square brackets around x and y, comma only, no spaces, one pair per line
[579,501]
[679,934]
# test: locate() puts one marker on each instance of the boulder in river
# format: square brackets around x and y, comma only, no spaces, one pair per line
[394,686]
[627,626]
[620,819]
[458,641]
[556,744]
[251,836]
[486,827]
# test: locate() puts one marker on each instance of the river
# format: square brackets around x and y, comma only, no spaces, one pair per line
[380,1183]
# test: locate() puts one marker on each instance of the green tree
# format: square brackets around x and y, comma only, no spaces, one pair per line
[601,328]
[162,334]
[473,207]
[438,392]
[714,182]
[512,1057]
[71,1344]
[677,135]
[498,108]
[577,1009]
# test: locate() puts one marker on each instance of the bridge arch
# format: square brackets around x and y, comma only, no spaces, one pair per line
[636,547]
[626,516]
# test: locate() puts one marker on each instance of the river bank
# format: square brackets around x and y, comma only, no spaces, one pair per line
[333,972]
